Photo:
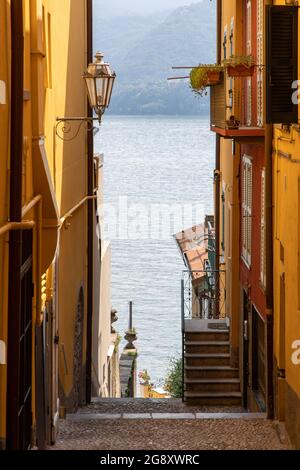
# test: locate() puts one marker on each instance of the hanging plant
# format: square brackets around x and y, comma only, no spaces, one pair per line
[240,66]
[203,76]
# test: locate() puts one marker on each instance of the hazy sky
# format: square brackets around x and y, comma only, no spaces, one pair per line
[117,7]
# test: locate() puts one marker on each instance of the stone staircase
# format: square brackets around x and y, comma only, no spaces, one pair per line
[208,378]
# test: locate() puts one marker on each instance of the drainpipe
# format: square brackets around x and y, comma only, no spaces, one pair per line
[90,225]
[269,258]
[15,238]
[217,170]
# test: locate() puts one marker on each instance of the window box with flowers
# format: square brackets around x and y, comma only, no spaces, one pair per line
[203,76]
[240,66]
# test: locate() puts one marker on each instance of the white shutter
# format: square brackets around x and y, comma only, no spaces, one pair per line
[247,209]
[243,208]
[249,51]
[260,61]
[263,232]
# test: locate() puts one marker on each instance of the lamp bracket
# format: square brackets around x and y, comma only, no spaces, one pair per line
[65,125]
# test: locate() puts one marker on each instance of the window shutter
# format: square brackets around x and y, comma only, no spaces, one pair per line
[260,61]
[244,220]
[249,183]
[281,63]
[247,210]
[249,51]
[263,232]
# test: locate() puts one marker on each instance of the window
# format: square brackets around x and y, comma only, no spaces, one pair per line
[249,51]
[231,35]
[281,64]
[249,28]
[246,209]
[231,53]
[225,43]
[223,222]
[263,232]
[49,51]
[46,40]
[260,61]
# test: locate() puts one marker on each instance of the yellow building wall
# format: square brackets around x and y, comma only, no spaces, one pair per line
[229,184]
[286,195]
[103,330]
[64,31]
[55,58]
[286,250]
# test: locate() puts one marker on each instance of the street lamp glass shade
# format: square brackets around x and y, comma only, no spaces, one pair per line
[99,82]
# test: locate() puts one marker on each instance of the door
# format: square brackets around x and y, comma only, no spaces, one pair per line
[52,344]
[281,364]
[79,392]
[51,349]
[245,349]
[259,360]
[25,344]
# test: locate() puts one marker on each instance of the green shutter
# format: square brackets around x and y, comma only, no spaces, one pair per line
[281,63]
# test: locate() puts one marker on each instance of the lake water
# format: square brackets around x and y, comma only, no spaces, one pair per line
[150,161]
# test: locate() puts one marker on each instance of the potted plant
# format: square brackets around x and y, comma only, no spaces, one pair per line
[204,76]
[240,66]
[233,123]
[144,377]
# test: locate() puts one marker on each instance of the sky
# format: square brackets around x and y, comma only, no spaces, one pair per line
[141,7]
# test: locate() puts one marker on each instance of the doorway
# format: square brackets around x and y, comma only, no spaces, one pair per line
[245,349]
[78,353]
[259,360]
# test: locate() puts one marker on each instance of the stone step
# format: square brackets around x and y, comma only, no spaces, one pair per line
[211,372]
[213,398]
[214,335]
[207,346]
[213,359]
[212,385]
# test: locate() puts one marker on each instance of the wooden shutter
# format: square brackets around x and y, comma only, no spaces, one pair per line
[281,63]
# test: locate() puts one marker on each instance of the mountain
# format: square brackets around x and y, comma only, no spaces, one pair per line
[142,50]
[140,7]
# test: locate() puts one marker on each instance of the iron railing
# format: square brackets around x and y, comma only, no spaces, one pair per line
[232,102]
[203,295]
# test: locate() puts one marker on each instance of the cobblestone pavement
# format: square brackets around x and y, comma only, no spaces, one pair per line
[85,432]
[141,405]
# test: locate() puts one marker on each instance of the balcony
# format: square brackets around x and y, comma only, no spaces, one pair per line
[235,107]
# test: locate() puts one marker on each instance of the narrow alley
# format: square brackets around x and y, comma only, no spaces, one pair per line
[149,229]
[135,424]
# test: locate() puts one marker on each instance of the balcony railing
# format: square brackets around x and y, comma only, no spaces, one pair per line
[237,107]
[203,295]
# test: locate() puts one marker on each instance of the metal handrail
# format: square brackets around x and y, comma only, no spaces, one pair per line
[212,296]
[182,337]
